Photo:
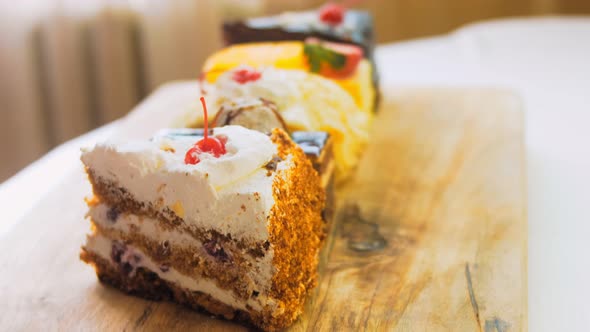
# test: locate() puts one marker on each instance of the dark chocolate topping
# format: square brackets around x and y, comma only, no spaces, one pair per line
[273,163]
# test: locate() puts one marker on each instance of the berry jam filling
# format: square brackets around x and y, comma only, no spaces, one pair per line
[113,214]
[117,251]
[214,249]
[126,258]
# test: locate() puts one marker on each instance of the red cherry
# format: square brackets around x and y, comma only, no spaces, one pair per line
[222,138]
[332,14]
[192,156]
[211,145]
[244,76]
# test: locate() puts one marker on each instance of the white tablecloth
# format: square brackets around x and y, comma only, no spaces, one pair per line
[547,61]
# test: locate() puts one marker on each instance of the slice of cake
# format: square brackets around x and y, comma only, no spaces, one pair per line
[331,22]
[263,115]
[231,224]
[305,102]
[317,146]
[343,64]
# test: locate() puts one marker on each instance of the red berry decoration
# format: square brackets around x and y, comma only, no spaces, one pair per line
[244,76]
[212,145]
[192,156]
[334,60]
[222,138]
[332,14]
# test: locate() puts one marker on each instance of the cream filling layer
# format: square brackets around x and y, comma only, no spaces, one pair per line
[232,195]
[261,269]
[101,246]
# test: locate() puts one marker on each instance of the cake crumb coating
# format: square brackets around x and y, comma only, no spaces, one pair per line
[296,233]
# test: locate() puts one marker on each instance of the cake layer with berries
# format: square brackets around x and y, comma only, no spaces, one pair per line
[232,224]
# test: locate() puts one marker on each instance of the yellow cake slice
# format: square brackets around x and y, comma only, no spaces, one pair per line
[295,55]
[305,101]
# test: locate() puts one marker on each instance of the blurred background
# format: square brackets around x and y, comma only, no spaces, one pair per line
[69,66]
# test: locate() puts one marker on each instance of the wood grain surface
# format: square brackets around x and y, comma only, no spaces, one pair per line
[430,235]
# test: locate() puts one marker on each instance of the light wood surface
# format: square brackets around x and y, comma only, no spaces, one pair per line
[438,242]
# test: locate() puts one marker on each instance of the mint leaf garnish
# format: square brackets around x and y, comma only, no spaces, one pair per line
[316,54]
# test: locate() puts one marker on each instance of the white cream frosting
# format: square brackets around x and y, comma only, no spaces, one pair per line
[261,271]
[101,246]
[247,151]
[146,226]
[230,194]
[306,102]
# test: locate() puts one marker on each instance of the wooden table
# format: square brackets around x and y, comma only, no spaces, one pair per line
[430,236]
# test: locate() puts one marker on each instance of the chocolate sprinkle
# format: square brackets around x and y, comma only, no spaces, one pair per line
[273,163]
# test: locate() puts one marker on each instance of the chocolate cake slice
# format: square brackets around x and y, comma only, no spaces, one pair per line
[355,28]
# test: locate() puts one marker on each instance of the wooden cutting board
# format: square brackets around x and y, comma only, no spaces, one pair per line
[430,236]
